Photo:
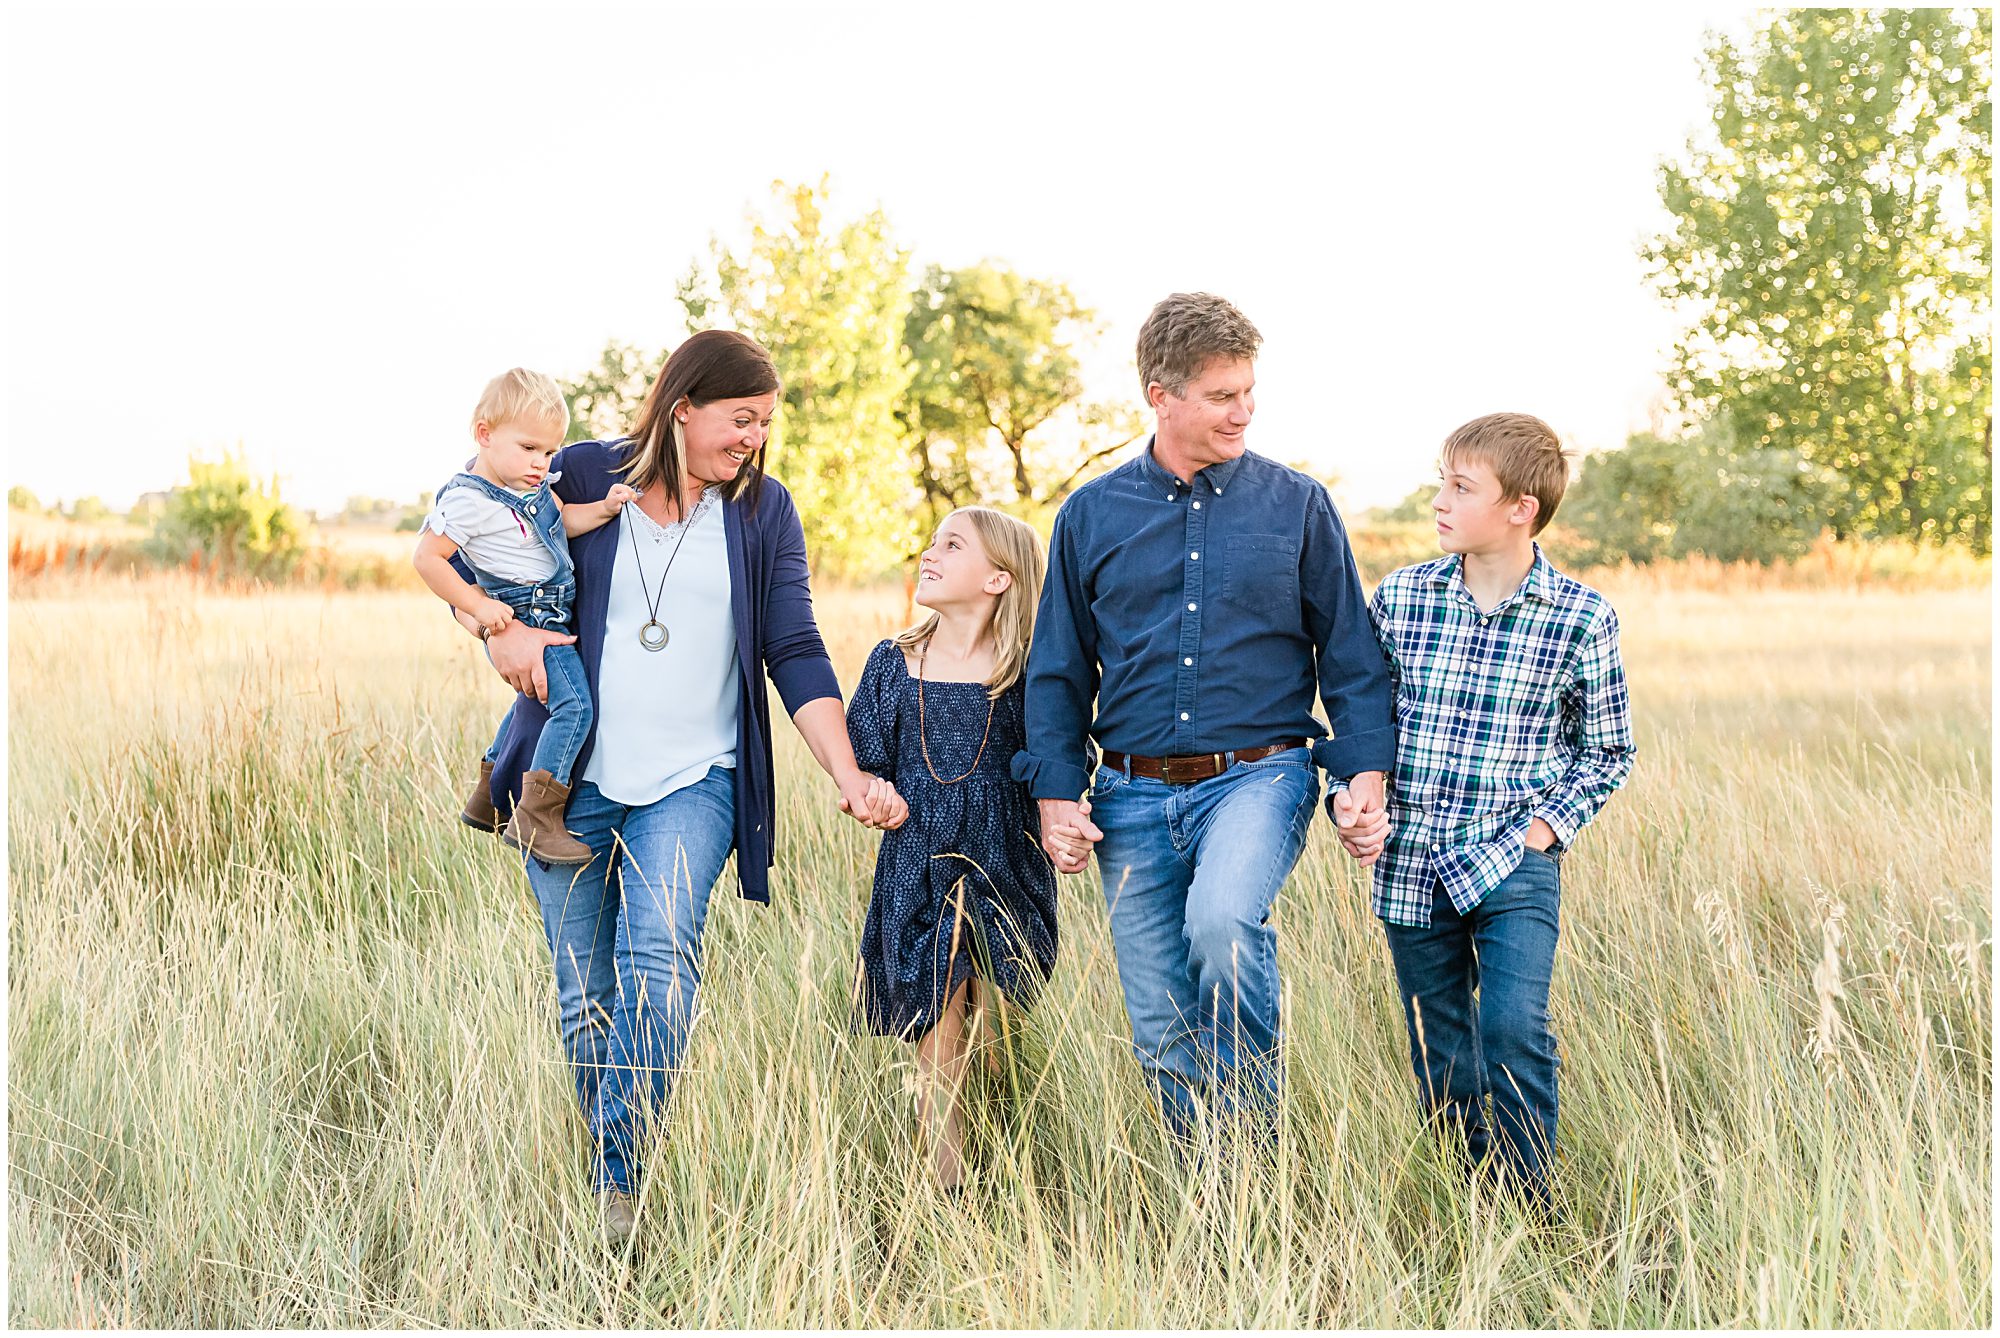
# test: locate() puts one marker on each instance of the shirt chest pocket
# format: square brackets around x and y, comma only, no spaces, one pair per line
[1260,572]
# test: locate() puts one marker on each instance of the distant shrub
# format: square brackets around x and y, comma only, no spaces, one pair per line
[1704,496]
[227,518]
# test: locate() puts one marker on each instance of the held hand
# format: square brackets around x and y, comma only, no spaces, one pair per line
[493,615]
[614,501]
[891,809]
[855,798]
[1068,833]
[516,653]
[1540,835]
[1362,832]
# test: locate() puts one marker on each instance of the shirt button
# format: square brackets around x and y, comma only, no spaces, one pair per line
[1196,556]
[1197,506]
[1189,660]
[1465,715]
[1183,715]
[1190,608]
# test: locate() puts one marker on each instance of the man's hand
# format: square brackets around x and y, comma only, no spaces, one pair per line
[1068,833]
[1540,836]
[516,653]
[1361,816]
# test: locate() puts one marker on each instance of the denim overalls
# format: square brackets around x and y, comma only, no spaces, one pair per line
[545,604]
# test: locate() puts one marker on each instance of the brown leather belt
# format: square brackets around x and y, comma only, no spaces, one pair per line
[1188,770]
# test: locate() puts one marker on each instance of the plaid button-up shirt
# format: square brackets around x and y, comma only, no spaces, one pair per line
[1502,717]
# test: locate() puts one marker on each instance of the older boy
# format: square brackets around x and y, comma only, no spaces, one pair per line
[1513,728]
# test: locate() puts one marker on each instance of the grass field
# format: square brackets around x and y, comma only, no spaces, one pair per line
[282,1046]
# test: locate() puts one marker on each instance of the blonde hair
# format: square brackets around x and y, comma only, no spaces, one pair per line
[1523,452]
[518,395]
[1013,547]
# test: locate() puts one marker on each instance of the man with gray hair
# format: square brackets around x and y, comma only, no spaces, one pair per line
[1200,594]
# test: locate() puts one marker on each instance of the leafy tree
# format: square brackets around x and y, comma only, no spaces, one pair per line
[830,300]
[230,517]
[20,499]
[604,401]
[89,509]
[993,359]
[1657,499]
[1832,252]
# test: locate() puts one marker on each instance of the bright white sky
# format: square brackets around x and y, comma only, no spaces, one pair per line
[318,231]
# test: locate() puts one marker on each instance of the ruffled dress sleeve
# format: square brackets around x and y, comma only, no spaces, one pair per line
[872,713]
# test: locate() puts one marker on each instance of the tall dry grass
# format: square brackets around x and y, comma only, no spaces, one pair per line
[282,1047]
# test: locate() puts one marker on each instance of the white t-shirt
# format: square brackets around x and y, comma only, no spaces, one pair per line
[493,538]
[664,717]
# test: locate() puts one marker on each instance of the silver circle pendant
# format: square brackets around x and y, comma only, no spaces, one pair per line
[653,635]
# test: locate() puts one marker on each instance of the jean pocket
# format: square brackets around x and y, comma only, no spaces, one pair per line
[1296,758]
[1104,780]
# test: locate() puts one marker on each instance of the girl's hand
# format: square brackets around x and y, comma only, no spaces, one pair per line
[493,615]
[891,810]
[856,798]
[614,501]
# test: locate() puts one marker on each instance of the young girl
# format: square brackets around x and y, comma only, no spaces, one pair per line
[964,899]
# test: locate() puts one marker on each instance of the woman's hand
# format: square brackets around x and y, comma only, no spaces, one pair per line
[516,654]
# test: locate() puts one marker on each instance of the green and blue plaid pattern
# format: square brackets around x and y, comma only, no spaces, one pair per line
[1502,717]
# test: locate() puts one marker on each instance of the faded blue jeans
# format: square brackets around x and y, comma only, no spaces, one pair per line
[569,718]
[624,931]
[1465,1050]
[1190,875]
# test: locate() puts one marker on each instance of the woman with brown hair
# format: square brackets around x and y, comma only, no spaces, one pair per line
[683,605]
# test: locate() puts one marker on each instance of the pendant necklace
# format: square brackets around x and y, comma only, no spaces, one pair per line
[653,634]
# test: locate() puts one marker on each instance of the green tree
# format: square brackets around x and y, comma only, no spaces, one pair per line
[232,518]
[1831,251]
[604,401]
[89,509]
[1656,499]
[829,299]
[20,499]
[993,359]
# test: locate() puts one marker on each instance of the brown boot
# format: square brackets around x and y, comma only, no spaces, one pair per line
[479,810]
[537,825]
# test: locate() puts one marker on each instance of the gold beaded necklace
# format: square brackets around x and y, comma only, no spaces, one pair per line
[923,653]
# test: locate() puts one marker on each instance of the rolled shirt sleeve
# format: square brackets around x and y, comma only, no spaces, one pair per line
[1062,677]
[1597,717]
[1354,680]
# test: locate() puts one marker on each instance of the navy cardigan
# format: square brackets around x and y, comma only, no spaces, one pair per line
[775,634]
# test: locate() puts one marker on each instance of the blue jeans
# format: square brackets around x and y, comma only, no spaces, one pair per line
[1465,1050]
[625,934]
[569,716]
[1190,875]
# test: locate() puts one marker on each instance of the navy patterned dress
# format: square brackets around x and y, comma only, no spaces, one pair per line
[962,887]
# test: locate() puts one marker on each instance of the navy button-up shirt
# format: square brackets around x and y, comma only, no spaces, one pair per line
[1201,616]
